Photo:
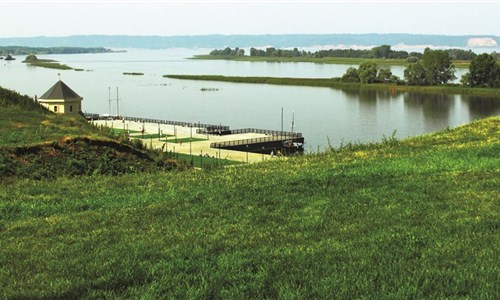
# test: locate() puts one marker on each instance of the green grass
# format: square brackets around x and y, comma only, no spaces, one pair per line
[120,130]
[149,136]
[198,161]
[416,219]
[184,140]
[337,84]
[324,60]
[29,127]
[133,73]
[46,63]
[51,65]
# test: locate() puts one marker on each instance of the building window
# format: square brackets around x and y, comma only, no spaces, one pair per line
[55,108]
[71,108]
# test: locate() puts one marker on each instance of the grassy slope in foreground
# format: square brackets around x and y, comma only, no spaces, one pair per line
[323,60]
[417,218]
[337,84]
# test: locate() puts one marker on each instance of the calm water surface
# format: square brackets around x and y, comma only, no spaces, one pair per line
[321,114]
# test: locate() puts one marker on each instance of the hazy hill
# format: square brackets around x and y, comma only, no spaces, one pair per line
[213,41]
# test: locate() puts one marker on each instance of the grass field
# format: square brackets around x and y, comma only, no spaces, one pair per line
[199,161]
[415,219]
[172,139]
[28,127]
[325,60]
[337,84]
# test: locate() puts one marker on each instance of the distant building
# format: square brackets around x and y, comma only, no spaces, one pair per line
[61,99]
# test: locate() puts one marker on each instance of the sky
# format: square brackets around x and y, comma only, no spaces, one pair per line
[25,18]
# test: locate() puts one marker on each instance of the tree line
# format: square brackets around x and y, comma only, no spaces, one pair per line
[18,50]
[434,68]
[383,51]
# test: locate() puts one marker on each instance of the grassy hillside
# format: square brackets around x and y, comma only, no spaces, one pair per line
[35,143]
[401,219]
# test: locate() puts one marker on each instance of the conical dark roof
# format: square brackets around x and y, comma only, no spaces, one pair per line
[60,91]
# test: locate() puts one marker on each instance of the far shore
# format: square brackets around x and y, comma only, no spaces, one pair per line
[324,60]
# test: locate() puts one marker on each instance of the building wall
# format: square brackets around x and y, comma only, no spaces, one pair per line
[62,107]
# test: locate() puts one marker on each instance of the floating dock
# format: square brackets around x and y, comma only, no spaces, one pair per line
[274,142]
[194,138]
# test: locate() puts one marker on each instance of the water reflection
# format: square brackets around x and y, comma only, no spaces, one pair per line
[429,111]
[479,106]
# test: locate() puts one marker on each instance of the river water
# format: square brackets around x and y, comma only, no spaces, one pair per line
[325,116]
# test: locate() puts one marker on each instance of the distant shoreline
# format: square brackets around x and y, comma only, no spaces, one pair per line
[323,60]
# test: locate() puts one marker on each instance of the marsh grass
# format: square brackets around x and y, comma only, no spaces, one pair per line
[336,83]
[415,218]
[133,73]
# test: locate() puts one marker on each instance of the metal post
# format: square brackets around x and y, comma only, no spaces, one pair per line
[159,132]
[190,138]
[109,99]
[247,154]
[117,100]
[262,153]
[281,120]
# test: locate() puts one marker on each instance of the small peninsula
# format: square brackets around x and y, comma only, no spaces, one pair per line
[32,60]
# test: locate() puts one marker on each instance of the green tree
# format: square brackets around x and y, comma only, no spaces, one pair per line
[384,75]
[367,72]
[483,72]
[351,75]
[415,74]
[438,66]
[434,68]
[381,51]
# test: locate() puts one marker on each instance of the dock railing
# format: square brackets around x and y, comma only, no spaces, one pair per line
[157,121]
[218,131]
[265,139]
[267,132]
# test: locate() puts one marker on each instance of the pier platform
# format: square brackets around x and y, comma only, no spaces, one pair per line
[243,145]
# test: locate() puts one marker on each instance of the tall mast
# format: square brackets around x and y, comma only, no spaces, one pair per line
[109,99]
[117,105]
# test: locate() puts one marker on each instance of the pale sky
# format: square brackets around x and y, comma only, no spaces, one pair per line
[22,18]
